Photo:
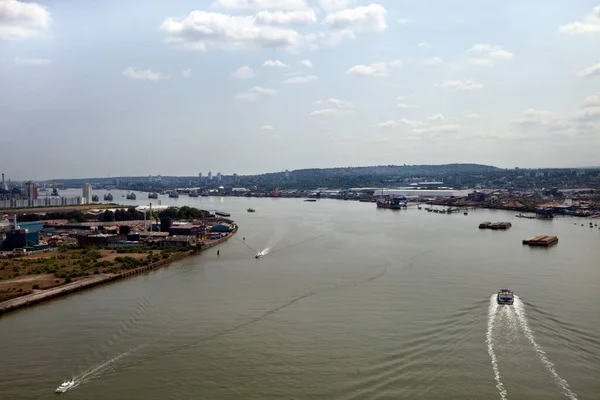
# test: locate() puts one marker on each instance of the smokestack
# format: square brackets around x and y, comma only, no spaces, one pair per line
[15,222]
[3,179]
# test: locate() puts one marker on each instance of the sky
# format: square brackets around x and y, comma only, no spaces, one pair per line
[122,88]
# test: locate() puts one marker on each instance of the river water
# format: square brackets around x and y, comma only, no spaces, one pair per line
[349,302]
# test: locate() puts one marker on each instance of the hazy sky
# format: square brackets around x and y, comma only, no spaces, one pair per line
[97,88]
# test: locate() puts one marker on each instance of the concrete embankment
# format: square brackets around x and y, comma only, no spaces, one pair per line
[44,295]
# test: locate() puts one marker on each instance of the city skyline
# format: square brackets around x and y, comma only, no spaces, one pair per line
[271,85]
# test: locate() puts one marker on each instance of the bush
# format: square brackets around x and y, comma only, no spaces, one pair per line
[68,279]
[35,286]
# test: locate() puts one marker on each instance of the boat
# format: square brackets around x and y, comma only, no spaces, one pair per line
[54,192]
[66,385]
[485,225]
[311,200]
[506,297]
[95,198]
[193,193]
[130,196]
[223,214]
[251,210]
[153,195]
[393,203]
[108,197]
[258,255]
[174,194]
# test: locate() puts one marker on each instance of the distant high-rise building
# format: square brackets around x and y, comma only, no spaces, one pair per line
[115,182]
[235,179]
[30,190]
[287,174]
[87,193]
[150,178]
[210,175]
[219,177]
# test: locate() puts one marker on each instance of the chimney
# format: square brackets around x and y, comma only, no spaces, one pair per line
[15,222]
[3,179]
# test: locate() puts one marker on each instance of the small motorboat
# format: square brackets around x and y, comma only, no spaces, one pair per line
[251,210]
[506,297]
[66,385]
[258,255]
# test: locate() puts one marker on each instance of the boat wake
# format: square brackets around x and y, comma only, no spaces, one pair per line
[519,307]
[492,312]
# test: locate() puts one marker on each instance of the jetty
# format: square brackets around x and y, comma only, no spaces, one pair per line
[544,241]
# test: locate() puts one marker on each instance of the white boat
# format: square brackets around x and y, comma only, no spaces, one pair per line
[66,385]
[505,296]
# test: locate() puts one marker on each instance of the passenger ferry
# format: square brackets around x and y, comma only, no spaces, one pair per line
[66,385]
[505,296]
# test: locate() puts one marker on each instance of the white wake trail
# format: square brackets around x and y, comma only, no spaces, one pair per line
[102,367]
[490,345]
[520,310]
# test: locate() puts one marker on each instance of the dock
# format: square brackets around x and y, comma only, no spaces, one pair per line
[543,240]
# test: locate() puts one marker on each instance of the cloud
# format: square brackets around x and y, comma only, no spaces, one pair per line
[531,117]
[20,20]
[589,26]
[462,86]
[298,17]
[488,54]
[437,129]
[301,79]
[186,73]
[267,127]
[592,71]
[424,45]
[202,30]
[387,124]
[334,5]
[260,4]
[243,73]
[590,115]
[274,64]
[403,21]
[306,63]
[143,74]
[480,62]
[325,112]
[333,103]
[436,117]
[411,122]
[346,24]
[32,61]
[379,69]
[433,61]
[470,115]
[254,93]
[406,105]
[591,101]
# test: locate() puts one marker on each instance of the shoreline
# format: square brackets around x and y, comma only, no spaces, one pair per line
[87,283]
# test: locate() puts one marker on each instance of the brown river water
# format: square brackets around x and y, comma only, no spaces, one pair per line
[349,302]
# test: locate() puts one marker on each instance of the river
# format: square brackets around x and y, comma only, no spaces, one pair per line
[350,302]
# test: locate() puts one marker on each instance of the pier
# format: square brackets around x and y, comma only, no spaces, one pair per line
[544,241]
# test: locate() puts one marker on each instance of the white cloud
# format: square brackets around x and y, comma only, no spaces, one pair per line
[143,74]
[298,17]
[411,122]
[437,129]
[387,124]
[262,90]
[379,69]
[462,86]
[334,5]
[186,73]
[202,30]
[403,21]
[260,4]
[591,101]
[532,116]
[424,45]
[346,24]
[533,113]
[590,115]
[306,63]
[488,53]
[333,103]
[436,117]
[33,61]
[243,73]
[20,20]
[589,26]
[267,127]
[480,62]
[589,72]
[406,105]
[433,61]
[301,79]
[325,112]
[470,115]
[274,64]
[254,93]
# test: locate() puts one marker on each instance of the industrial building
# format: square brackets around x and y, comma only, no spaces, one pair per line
[87,193]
